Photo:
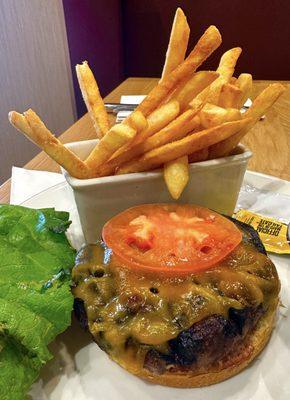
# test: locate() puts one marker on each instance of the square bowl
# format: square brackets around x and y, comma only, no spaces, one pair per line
[214,184]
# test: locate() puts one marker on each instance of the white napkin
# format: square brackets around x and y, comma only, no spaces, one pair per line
[264,202]
[129,99]
[26,183]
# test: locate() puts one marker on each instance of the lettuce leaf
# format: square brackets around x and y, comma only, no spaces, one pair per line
[35,299]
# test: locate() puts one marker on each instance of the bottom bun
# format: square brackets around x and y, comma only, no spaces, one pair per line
[230,366]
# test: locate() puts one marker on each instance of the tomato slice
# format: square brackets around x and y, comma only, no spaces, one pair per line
[171,238]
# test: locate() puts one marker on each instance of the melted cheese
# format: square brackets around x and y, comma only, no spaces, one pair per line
[128,312]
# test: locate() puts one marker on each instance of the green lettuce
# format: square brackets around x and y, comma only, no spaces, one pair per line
[35,299]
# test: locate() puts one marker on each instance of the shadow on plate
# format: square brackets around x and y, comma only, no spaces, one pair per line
[64,349]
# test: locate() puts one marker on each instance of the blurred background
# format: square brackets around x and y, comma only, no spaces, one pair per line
[41,42]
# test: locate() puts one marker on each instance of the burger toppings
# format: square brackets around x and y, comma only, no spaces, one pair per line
[141,234]
[150,318]
[170,238]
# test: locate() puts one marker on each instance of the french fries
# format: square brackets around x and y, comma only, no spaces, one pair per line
[177,43]
[212,115]
[115,138]
[34,129]
[209,41]
[187,117]
[92,98]
[176,130]
[185,93]
[176,176]
[230,96]
[137,121]
[189,144]
[260,106]
[245,84]
[225,69]
[157,120]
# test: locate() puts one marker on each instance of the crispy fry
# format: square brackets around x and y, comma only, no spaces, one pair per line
[189,144]
[175,130]
[264,101]
[177,43]
[212,115]
[92,98]
[209,41]
[225,69]
[176,176]
[185,93]
[260,106]
[233,80]
[228,62]
[137,121]
[115,138]
[245,84]
[229,96]
[200,98]
[35,130]
[157,120]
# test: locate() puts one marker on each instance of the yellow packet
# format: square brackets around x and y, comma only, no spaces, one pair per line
[274,234]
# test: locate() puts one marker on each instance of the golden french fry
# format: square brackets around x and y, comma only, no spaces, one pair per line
[187,145]
[233,80]
[196,105]
[229,96]
[228,62]
[200,98]
[245,84]
[137,121]
[211,115]
[115,138]
[176,129]
[185,93]
[92,98]
[260,106]
[264,101]
[157,120]
[209,41]
[198,156]
[176,176]
[177,43]
[35,130]
[225,69]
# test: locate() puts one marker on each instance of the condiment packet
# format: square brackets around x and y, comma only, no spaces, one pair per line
[274,234]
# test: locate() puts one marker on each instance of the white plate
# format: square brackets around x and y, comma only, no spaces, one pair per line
[81,371]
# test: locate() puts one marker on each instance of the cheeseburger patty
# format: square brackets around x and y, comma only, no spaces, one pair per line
[196,323]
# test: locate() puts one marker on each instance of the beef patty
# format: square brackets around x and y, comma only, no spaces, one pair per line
[205,342]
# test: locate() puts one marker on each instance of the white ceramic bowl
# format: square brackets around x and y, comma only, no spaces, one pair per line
[214,184]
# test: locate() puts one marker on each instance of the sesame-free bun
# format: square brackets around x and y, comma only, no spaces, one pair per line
[254,344]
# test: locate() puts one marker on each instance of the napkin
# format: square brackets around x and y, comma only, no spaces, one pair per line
[128,99]
[264,202]
[27,183]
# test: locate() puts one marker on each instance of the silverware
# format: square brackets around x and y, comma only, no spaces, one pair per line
[114,108]
[245,108]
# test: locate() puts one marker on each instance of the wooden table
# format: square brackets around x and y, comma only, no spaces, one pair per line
[269,139]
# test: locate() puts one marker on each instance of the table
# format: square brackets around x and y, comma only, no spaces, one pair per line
[269,139]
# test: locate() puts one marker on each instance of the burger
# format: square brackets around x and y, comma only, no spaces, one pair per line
[176,294]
